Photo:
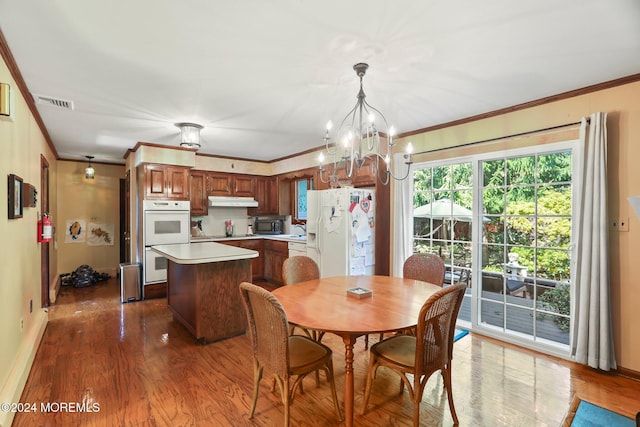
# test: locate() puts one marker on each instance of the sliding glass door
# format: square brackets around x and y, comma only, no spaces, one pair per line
[502,224]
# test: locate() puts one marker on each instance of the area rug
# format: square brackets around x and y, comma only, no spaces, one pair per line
[584,414]
[459,334]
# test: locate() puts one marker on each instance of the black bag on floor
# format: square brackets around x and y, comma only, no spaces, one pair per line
[83,276]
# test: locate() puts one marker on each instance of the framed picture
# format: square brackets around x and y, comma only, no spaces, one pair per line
[15,196]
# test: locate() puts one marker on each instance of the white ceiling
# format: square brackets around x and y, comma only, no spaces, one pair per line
[263,77]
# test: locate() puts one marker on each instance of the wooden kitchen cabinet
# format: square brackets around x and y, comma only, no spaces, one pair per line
[166,182]
[257,264]
[198,194]
[275,252]
[266,194]
[364,177]
[226,184]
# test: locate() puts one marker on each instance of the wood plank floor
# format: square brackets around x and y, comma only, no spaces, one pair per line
[142,368]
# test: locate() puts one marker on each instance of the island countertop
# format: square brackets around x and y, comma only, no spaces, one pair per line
[202,253]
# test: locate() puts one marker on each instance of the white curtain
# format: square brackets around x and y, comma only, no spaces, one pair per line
[593,328]
[402,216]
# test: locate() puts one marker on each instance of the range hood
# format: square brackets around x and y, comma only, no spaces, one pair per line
[232,202]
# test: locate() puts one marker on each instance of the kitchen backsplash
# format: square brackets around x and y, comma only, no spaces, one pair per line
[213,224]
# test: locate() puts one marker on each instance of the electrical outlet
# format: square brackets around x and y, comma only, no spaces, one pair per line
[623,224]
[21,325]
[614,225]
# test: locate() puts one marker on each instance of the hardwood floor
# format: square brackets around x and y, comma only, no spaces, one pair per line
[142,368]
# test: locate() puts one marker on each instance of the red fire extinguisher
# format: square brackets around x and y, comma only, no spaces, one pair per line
[44,228]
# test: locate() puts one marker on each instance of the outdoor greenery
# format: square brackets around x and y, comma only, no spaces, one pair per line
[515,190]
[557,300]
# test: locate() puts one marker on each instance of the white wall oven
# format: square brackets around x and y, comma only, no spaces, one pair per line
[165,223]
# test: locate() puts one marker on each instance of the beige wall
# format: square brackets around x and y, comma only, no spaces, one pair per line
[22,144]
[624,180]
[93,201]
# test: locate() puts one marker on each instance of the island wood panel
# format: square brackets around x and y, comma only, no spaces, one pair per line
[205,298]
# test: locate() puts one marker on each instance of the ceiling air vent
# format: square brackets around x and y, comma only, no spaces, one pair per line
[53,102]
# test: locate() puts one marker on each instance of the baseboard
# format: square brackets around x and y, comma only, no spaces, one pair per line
[629,373]
[19,372]
[54,289]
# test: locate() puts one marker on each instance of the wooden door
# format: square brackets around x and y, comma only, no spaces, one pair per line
[125,218]
[218,184]
[155,181]
[177,182]
[198,194]
[244,186]
[44,246]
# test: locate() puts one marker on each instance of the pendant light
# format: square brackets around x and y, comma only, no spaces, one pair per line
[89,172]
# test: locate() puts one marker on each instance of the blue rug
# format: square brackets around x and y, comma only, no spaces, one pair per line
[459,334]
[590,415]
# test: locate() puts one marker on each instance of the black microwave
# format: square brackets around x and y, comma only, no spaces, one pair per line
[269,226]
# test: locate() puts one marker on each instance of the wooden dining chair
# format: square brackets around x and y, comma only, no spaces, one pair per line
[298,269]
[425,267]
[430,350]
[289,357]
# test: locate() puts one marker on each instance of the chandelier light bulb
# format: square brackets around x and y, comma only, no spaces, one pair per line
[409,148]
[392,131]
[372,118]
[329,125]
[321,158]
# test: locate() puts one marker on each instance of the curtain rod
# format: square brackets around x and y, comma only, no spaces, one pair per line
[506,136]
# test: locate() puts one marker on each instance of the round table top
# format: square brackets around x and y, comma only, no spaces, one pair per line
[323,304]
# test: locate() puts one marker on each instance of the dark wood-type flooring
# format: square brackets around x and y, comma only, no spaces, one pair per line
[144,369]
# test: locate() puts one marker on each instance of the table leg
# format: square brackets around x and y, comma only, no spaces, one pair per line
[349,341]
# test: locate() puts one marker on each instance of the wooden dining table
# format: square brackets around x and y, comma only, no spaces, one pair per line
[323,305]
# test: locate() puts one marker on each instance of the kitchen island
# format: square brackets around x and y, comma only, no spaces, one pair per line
[203,287]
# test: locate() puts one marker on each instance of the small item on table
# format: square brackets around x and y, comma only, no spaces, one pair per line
[359,293]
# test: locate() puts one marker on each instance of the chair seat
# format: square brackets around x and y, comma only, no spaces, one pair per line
[304,352]
[399,349]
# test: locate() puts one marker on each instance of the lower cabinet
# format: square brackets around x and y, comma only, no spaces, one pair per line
[275,252]
[268,265]
[257,269]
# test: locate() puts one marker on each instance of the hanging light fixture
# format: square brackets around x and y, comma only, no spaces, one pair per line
[89,172]
[358,139]
[189,135]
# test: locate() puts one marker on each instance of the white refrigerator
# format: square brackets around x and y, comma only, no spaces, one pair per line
[341,230]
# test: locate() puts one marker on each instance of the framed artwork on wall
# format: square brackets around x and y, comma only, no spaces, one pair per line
[15,196]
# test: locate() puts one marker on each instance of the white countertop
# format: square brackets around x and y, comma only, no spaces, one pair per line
[203,252]
[282,237]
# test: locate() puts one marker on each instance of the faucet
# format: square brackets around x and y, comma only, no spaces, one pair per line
[302,227]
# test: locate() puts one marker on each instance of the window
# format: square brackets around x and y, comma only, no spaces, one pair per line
[300,187]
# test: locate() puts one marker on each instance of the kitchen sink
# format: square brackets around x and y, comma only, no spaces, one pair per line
[294,237]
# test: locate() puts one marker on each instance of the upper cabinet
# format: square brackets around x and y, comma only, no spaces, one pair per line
[198,194]
[225,184]
[166,182]
[267,196]
[365,177]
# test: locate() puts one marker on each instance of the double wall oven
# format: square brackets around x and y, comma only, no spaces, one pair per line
[164,223]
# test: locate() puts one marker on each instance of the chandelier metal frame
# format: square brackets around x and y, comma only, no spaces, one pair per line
[358,139]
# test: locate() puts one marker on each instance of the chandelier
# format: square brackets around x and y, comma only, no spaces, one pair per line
[358,139]
[189,135]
